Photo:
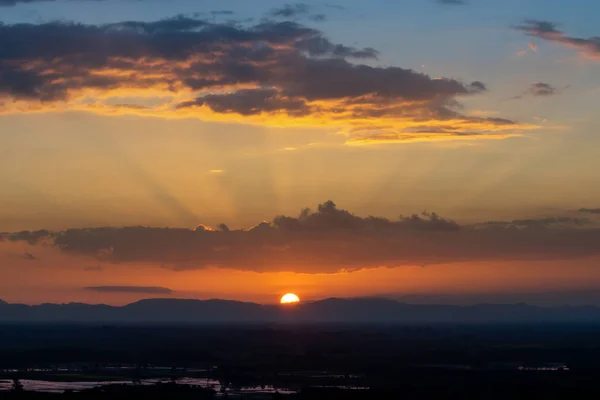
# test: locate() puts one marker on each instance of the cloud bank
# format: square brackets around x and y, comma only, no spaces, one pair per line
[330,239]
[278,73]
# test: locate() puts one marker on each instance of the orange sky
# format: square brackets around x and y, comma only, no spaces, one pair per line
[177,118]
[59,278]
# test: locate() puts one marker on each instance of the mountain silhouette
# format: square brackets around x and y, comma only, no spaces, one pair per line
[371,310]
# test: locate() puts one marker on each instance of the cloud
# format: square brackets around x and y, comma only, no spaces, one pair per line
[29,257]
[425,135]
[539,89]
[330,239]
[295,11]
[250,102]
[542,89]
[31,237]
[589,47]
[452,2]
[291,10]
[541,222]
[270,73]
[130,289]
[532,46]
[590,210]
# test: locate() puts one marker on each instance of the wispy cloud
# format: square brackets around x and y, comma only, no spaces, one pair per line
[296,11]
[130,289]
[589,47]
[539,89]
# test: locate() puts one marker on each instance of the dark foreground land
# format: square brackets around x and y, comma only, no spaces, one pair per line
[303,361]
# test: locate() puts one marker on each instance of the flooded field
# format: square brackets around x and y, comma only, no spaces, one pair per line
[62,386]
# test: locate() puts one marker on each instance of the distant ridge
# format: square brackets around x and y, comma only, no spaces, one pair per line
[333,310]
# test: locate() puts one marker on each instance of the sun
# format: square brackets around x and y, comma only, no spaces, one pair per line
[290,298]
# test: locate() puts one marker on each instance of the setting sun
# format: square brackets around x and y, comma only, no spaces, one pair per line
[290,298]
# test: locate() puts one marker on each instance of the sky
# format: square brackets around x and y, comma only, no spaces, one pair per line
[424,150]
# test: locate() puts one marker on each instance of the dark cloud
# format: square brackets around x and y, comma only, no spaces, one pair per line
[322,47]
[539,89]
[477,87]
[131,289]
[251,102]
[329,239]
[291,10]
[452,2]
[590,47]
[281,68]
[31,237]
[318,17]
[590,210]
[71,52]
[542,89]
[296,11]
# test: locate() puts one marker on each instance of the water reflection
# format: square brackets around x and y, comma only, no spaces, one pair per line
[60,387]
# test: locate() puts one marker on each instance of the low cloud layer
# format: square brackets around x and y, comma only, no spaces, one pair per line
[589,47]
[330,240]
[275,72]
[130,289]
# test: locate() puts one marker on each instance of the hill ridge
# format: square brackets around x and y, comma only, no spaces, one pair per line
[338,310]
